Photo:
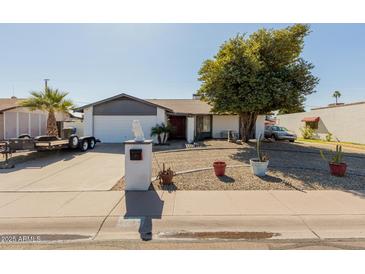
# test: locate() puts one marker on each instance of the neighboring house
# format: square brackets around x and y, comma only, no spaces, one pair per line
[110,120]
[270,120]
[16,120]
[344,121]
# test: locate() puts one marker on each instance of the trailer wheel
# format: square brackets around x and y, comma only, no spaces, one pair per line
[73,142]
[84,145]
[91,143]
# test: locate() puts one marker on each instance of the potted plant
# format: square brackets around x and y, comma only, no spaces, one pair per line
[259,165]
[219,168]
[337,167]
[166,175]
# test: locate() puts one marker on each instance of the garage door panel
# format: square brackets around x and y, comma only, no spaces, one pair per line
[116,129]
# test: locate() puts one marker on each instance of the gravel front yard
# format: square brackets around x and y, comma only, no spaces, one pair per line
[241,178]
[292,166]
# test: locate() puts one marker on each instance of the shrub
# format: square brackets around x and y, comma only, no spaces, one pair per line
[329,137]
[307,132]
[161,131]
[335,157]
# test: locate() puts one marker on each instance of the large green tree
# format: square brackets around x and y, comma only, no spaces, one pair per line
[52,101]
[258,74]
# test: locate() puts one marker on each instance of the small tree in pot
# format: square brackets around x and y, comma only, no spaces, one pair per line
[259,165]
[337,167]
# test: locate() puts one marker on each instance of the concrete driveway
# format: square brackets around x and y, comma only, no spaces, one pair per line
[94,170]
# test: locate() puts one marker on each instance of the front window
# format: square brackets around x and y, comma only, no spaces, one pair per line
[312,125]
[203,127]
[203,123]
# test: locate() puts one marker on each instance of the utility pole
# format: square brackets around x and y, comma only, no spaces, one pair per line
[46,84]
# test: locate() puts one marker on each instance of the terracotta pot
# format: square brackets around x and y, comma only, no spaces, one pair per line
[166,178]
[219,168]
[338,169]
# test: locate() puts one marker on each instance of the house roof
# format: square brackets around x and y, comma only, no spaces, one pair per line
[184,106]
[9,103]
[122,95]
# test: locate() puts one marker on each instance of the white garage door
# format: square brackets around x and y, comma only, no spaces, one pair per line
[117,129]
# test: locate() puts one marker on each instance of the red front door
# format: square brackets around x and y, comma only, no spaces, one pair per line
[178,124]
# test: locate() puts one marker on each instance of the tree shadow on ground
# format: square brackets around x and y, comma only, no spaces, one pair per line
[271,179]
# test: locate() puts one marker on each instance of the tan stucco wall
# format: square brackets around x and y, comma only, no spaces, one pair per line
[347,123]
[223,123]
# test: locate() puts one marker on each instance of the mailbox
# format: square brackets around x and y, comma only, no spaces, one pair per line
[138,165]
[135,154]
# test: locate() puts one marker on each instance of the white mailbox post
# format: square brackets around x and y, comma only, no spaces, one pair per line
[138,164]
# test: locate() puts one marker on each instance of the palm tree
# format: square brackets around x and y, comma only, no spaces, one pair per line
[157,130]
[52,101]
[336,95]
[166,129]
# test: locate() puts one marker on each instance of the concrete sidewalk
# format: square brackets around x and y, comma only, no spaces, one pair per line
[114,215]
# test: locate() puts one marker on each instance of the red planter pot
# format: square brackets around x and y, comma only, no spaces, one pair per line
[219,168]
[338,169]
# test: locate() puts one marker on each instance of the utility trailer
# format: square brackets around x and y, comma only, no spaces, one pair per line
[73,142]
[43,143]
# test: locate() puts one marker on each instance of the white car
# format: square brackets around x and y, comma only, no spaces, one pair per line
[279,133]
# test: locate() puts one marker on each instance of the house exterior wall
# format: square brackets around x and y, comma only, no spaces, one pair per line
[20,120]
[23,123]
[61,116]
[345,122]
[2,127]
[88,121]
[190,129]
[34,124]
[10,120]
[124,106]
[223,123]
[78,124]
[118,128]
[161,116]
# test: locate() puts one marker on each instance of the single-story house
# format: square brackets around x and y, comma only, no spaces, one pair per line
[344,121]
[111,119]
[16,120]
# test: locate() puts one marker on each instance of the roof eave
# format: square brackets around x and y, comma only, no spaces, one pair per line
[6,109]
[81,109]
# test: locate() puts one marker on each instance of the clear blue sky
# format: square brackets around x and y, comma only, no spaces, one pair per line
[95,61]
